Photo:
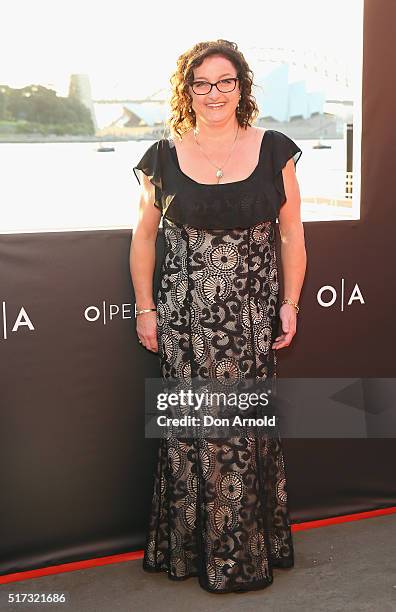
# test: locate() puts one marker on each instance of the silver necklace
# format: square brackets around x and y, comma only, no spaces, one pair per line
[219,172]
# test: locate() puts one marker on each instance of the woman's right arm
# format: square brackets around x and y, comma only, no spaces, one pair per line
[142,263]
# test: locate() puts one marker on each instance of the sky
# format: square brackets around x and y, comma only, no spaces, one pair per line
[129,49]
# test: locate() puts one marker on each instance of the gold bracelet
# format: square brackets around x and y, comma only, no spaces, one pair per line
[288,301]
[139,312]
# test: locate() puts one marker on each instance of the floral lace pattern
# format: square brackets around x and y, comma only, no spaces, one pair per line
[219,507]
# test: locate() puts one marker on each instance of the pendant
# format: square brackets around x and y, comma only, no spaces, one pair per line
[219,173]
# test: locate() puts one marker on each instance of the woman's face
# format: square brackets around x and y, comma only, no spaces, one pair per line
[215,68]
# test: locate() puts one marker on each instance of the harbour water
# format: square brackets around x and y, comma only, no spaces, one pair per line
[67,186]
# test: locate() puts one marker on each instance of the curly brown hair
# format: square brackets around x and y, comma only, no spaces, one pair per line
[182,116]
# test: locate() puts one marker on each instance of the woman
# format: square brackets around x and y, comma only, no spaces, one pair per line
[219,508]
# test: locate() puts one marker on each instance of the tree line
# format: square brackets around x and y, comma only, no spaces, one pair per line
[37,109]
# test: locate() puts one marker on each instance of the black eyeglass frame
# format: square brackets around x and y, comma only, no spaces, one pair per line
[235,79]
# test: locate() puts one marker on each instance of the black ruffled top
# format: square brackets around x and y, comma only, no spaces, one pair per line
[241,204]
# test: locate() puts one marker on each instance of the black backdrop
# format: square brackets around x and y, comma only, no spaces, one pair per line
[75,467]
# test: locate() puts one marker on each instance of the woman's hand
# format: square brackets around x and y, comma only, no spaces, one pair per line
[288,317]
[146,329]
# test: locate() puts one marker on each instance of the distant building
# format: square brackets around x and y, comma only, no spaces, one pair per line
[80,88]
[281,100]
[137,118]
[283,105]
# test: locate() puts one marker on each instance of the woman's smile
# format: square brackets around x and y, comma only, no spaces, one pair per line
[216,106]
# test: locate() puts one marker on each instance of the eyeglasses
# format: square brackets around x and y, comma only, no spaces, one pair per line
[201,88]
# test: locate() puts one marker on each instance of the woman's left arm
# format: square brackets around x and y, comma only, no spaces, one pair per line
[293,254]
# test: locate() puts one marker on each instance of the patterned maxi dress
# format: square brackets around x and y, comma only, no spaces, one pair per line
[219,506]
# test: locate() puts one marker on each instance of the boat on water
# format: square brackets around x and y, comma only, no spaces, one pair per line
[102,148]
[321,145]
